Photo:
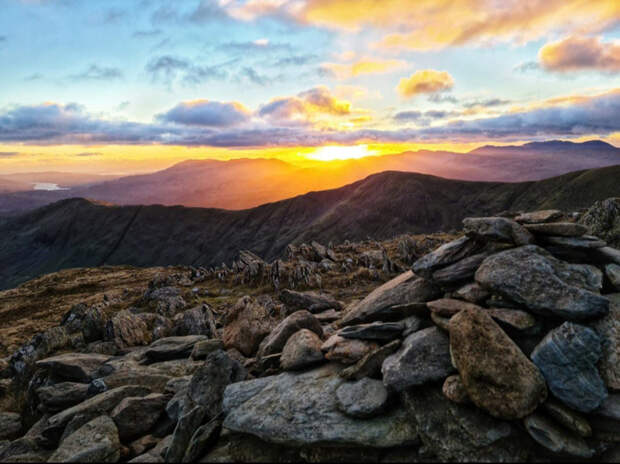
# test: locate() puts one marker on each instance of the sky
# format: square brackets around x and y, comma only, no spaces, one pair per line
[120,86]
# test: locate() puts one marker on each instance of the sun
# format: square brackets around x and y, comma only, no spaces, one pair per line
[336,152]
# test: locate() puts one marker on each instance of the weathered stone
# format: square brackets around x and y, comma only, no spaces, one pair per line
[166,301]
[62,395]
[97,441]
[135,416]
[156,454]
[346,351]
[363,398]
[247,324]
[454,390]
[78,367]
[193,321]
[370,365]
[608,254]
[330,315]
[204,438]
[186,427]
[311,301]
[177,367]
[556,439]
[567,357]
[142,445]
[541,216]
[275,341]
[497,229]
[459,272]
[170,348]
[405,289]
[532,277]
[603,220]
[128,329]
[612,271]
[608,329]
[10,425]
[412,324]
[445,255]
[585,241]
[498,377]
[145,376]
[203,348]
[423,357]
[308,413]
[90,320]
[302,349]
[448,307]
[473,292]
[567,417]
[607,416]
[442,322]
[563,229]
[512,318]
[380,331]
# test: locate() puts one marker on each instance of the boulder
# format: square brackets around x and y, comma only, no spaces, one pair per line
[513,318]
[128,329]
[171,348]
[362,398]
[145,376]
[472,292]
[564,229]
[385,302]
[424,356]
[454,390]
[370,364]
[346,351]
[612,271]
[535,217]
[193,321]
[603,220]
[311,301]
[246,325]
[90,320]
[97,441]
[202,440]
[448,307]
[275,341]
[498,377]
[556,439]
[62,395]
[567,357]
[302,349]
[308,414]
[328,316]
[166,301]
[608,329]
[586,242]
[530,276]
[449,253]
[135,416]
[78,367]
[497,229]
[202,349]
[10,425]
[379,331]
[459,272]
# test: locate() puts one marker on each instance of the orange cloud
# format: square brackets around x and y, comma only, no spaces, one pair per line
[362,66]
[426,81]
[578,53]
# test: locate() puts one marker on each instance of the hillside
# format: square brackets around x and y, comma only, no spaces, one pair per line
[82,233]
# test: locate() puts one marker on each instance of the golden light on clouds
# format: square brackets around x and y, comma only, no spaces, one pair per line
[426,81]
[362,66]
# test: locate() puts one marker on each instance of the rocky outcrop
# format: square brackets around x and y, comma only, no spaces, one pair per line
[96,441]
[247,324]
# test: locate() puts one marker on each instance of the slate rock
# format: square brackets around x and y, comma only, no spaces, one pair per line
[498,377]
[97,441]
[424,356]
[202,440]
[380,331]
[135,416]
[608,329]
[10,425]
[302,349]
[513,318]
[497,229]
[541,216]
[567,357]
[370,364]
[128,329]
[459,272]
[472,292]
[612,271]
[275,341]
[314,302]
[62,395]
[565,416]
[555,438]
[90,320]
[564,229]
[172,348]
[78,367]
[202,349]
[448,307]
[362,398]
[586,242]
[194,321]
[346,351]
[603,220]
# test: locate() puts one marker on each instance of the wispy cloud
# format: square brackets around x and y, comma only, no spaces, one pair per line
[98,73]
[168,68]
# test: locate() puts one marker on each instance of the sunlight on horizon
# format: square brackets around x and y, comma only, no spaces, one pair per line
[335,152]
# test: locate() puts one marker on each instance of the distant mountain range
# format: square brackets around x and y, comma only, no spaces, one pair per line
[246,183]
[83,233]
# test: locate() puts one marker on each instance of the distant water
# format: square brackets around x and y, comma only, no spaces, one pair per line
[47,186]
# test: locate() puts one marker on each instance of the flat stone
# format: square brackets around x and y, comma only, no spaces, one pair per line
[564,229]
[308,413]
[275,341]
[472,292]
[97,441]
[497,229]
[423,357]
[370,365]
[362,399]
[608,254]
[380,331]
[128,329]
[567,357]
[194,321]
[459,272]
[608,329]
[346,351]
[440,321]
[612,271]
[302,349]
[140,375]
[454,390]
[498,377]
[384,302]
[62,395]
[535,217]
[202,349]
[329,315]
[449,253]
[532,277]
[573,242]
[135,416]
[10,425]
[448,307]
[555,438]
[202,440]
[513,318]
[170,348]
[565,416]
[314,302]
[78,367]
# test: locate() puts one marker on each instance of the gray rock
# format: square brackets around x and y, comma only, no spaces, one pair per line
[90,320]
[202,440]
[302,349]
[563,229]
[10,425]
[383,303]
[555,438]
[472,292]
[567,357]
[138,375]
[97,441]
[275,341]
[448,307]
[170,348]
[497,229]
[445,255]
[612,271]
[423,357]
[183,432]
[78,367]
[608,254]
[363,398]
[247,323]
[603,220]
[608,328]
[62,395]
[128,329]
[194,321]
[567,417]
[308,413]
[311,301]
[532,277]
[541,216]
[330,315]
[381,331]
[203,348]
[346,351]
[459,272]
[135,416]
[586,241]
[370,364]
[513,318]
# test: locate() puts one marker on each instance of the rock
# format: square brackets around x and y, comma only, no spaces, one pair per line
[302,349]
[608,329]
[346,351]
[512,318]
[383,302]
[423,357]
[23,450]
[607,416]
[556,439]
[128,329]
[448,307]
[97,441]
[135,416]
[275,341]
[90,320]
[532,277]
[10,425]
[202,440]
[472,292]
[370,364]
[567,417]
[459,272]
[78,367]
[612,271]
[202,349]
[442,322]
[497,229]
[330,315]
[145,376]
[608,254]
[586,241]
[535,217]
[142,445]
[166,301]
[171,348]
[603,220]
[453,432]
[567,357]
[157,453]
[362,399]
[564,229]
[311,301]
[158,325]
[454,390]
[246,325]
[308,413]
[380,331]
[445,255]
[194,321]
[412,324]
[498,377]
[62,395]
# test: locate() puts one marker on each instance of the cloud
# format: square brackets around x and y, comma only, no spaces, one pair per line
[88,154]
[167,68]
[207,113]
[426,81]
[253,76]
[259,45]
[362,66]
[207,10]
[486,103]
[527,66]
[8,154]
[98,73]
[147,34]
[580,53]
[295,60]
